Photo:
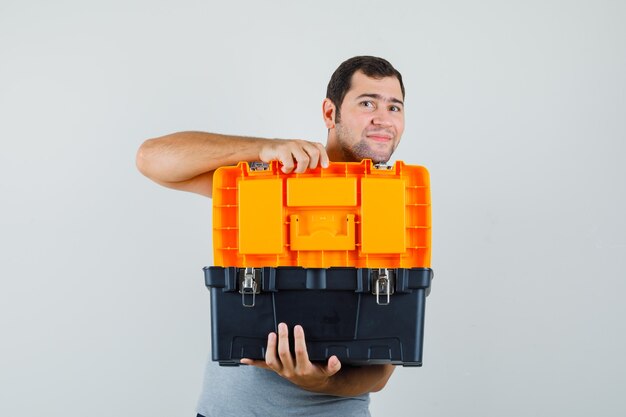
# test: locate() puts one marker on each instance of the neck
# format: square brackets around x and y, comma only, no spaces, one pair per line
[334,151]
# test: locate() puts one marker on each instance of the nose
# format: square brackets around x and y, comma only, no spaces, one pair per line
[381,118]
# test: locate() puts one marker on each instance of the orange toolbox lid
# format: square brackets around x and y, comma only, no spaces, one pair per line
[351,214]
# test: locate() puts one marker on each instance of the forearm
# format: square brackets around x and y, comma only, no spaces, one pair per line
[182,156]
[353,381]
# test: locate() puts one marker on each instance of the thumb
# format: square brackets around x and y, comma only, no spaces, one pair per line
[333,366]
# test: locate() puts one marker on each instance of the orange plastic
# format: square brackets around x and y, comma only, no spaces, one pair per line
[349,214]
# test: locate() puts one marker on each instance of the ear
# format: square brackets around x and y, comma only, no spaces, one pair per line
[328,112]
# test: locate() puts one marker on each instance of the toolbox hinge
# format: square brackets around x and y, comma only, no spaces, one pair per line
[249,286]
[383,282]
[382,165]
[259,166]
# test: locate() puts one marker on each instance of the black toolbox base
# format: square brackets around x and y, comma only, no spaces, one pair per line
[338,312]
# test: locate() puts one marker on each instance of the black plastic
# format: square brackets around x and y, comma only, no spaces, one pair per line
[335,306]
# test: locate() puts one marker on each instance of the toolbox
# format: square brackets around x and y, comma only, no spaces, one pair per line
[343,251]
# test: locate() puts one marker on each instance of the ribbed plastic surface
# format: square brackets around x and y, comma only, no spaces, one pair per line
[349,214]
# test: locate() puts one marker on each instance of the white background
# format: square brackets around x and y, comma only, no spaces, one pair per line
[517,109]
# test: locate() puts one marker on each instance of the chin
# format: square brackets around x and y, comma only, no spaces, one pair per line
[364,150]
[380,156]
[375,158]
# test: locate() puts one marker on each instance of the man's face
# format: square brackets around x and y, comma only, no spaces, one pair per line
[371,118]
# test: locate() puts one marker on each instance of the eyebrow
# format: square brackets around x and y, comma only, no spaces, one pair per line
[379,97]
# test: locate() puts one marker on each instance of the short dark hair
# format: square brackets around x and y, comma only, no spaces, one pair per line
[340,81]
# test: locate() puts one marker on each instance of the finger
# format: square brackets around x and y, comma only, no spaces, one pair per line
[252,362]
[284,353]
[301,157]
[313,152]
[324,159]
[286,158]
[271,360]
[302,356]
[333,366]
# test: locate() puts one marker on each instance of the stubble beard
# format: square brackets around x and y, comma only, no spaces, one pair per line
[362,149]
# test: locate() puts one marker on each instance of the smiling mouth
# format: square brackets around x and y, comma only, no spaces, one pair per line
[380,138]
[379,135]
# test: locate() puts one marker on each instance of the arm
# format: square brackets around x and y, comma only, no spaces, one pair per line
[329,378]
[186,160]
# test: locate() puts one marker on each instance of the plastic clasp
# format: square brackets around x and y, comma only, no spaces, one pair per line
[248,286]
[383,283]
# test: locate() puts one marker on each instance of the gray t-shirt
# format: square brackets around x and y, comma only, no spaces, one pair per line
[251,391]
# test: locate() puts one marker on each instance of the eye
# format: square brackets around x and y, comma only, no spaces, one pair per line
[395,108]
[368,104]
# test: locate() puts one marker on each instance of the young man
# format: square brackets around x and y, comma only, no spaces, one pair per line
[364,113]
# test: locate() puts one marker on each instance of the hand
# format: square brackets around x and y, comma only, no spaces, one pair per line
[305,154]
[299,369]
